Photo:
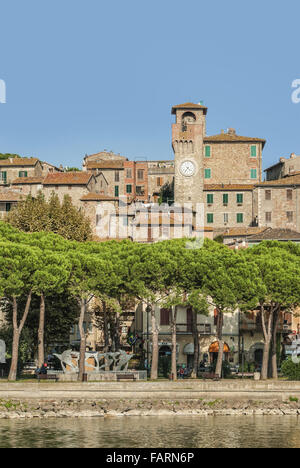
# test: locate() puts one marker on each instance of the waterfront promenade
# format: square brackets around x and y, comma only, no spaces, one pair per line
[185,390]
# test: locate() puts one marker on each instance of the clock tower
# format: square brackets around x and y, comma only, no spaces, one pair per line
[187,140]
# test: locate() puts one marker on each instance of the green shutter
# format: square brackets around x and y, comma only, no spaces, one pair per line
[239,198]
[8,207]
[240,218]
[253,173]
[207,151]
[210,218]
[225,199]
[116,191]
[253,151]
[3,177]
[207,173]
[210,198]
[128,188]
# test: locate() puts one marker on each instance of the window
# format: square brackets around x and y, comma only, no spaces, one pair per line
[165,316]
[240,198]
[140,190]
[210,218]
[116,191]
[289,194]
[23,173]
[205,328]
[268,217]
[159,181]
[253,151]
[129,188]
[207,151]
[125,221]
[69,187]
[140,173]
[253,173]
[210,198]
[239,218]
[117,176]
[225,199]
[7,207]
[226,217]
[129,173]
[207,173]
[268,195]
[3,177]
[289,216]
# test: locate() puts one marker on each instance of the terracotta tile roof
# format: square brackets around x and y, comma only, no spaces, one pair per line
[68,178]
[19,162]
[10,196]
[227,187]
[287,181]
[188,105]
[232,138]
[243,231]
[98,197]
[276,234]
[115,164]
[28,180]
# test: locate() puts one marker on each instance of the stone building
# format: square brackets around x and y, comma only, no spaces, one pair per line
[285,167]
[8,199]
[13,168]
[74,184]
[278,203]
[218,171]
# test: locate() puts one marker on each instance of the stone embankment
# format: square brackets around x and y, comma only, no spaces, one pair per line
[115,399]
[16,409]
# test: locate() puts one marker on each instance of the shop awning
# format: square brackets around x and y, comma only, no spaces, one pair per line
[214,347]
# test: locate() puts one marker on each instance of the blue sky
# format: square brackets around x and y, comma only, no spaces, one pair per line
[83,76]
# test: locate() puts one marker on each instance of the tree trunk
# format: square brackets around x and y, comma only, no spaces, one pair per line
[17,330]
[174,343]
[267,331]
[82,340]
[117,332]
[41,331]
[154,363]
[105,328]
[221,344]
[196,346]
[276,319]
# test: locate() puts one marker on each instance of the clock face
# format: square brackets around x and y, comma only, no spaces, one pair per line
[187,168]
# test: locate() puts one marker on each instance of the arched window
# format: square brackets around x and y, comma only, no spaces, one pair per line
[187,119]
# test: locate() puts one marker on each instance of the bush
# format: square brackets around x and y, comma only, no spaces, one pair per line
[290,370]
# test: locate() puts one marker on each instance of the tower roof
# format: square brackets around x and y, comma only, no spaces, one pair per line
[189,106]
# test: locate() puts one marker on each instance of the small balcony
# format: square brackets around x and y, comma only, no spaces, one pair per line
[203,328]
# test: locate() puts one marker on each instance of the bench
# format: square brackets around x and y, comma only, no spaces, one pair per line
[210,376]
[126,377]
[47,377]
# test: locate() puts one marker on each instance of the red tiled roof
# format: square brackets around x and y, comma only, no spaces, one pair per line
[243,231]
[232,138]
[28,180]
[19,162]
[227,187]
[188,105]
[68,178]
[276,234]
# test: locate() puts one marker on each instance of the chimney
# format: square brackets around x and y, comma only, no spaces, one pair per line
[231,131]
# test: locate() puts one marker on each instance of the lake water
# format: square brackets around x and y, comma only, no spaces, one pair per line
[164,432]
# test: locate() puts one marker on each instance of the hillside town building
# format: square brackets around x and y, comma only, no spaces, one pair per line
[143,201]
